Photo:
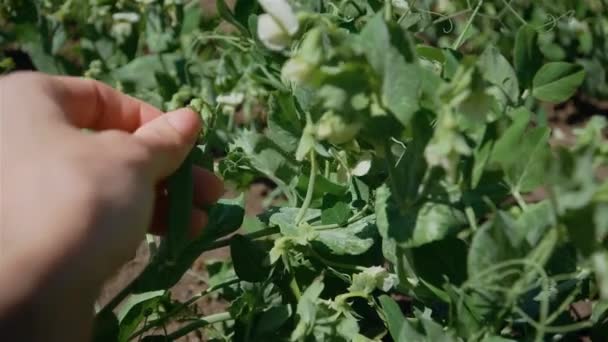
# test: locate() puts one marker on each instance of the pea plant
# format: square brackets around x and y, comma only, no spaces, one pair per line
[419,194]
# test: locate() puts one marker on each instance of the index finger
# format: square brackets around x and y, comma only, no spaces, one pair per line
[95,105]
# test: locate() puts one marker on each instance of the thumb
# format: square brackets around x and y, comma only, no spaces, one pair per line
[169,138]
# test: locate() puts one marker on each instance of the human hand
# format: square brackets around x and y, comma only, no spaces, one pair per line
[75,204]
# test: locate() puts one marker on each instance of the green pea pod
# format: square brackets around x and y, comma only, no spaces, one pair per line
[180,205]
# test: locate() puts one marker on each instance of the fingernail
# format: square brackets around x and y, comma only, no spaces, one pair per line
[185,121]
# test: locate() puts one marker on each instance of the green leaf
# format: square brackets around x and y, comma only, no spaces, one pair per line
[284,126]
[441,261]
[272,319]
[399,328]
[307,310]
[497,241]
[527,56]
[522,153]
[354,239]
[243,9]
[136,310]
[417,226]
[336,214]
[497,70]
[392,55]
[140,71]
[136,299]
[250,260]
[557,81]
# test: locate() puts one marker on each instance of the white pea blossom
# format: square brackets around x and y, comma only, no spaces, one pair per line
[130,17]
[282,12]
[232,99]
[296,70]
[276,27]
[400,5]
[363,165]
[333,128]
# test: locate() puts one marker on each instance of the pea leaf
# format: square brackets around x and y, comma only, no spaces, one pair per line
[497,70]
[250,260]
[336,214]
[284,126]
[354,239]
[392,55]
[557,81]
[417,226]
[527,56]
[136,310]
[307,310]
[522,153]
[399,327]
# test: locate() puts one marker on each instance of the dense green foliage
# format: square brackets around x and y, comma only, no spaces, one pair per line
[403,140]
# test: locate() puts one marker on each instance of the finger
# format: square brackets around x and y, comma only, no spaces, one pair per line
[198,221]
[94,105]
[160,221]
[207,187]
[169,138]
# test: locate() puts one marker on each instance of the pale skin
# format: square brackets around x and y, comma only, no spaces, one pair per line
[74,203]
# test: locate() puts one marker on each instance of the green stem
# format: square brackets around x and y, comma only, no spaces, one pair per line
[470,213]
[255,235]
[514,12]
[520,200]
[388,10]
[354,218]
[460,38]
[313,253]
[203,322]
[293,283]
[309,190]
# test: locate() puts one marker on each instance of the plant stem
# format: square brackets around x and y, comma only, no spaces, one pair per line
[520,200]
[203,322]
[313,253]
[293,284]
[388,10]
[514,12]
[255,235]
[470,213]
[309,190]
[460,38]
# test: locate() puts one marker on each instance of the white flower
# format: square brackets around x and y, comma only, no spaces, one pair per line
[271,33]
[296,70]
[332,127]
[363,165]
[400,5]
[276,27]
[130,17]
[281,12]
[232,99]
